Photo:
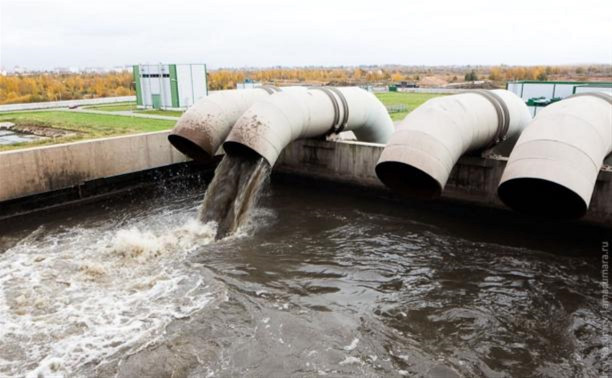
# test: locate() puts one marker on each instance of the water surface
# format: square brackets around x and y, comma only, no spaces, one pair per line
[315,284]
[11,137]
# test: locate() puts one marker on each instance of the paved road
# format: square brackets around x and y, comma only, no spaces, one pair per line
[125,113]
[64,104]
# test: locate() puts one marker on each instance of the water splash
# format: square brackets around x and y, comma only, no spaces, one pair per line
[82,296]
[233,192]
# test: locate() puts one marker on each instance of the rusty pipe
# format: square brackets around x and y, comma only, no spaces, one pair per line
[201,130]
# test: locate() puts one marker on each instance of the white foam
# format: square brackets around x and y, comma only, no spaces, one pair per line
[84,295]
[352,345]
[350,360]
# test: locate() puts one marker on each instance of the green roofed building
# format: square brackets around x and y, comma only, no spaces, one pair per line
[169,86]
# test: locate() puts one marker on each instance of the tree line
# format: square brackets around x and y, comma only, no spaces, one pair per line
[228,78]
[53,87]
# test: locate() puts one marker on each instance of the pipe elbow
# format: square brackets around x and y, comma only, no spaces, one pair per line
[198,131]
[375,125]
[427,144]
[553,169]
[201,130]
[270,125]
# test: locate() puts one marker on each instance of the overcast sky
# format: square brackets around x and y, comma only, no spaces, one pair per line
[237,33]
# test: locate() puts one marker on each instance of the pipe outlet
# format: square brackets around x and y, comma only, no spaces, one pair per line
[201,130]
[428,143]
[553,168]
[268,126]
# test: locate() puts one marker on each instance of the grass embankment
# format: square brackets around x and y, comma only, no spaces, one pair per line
[410,100]
[131,107]
[90,126]
[169,113]
[115,107]
[86,125]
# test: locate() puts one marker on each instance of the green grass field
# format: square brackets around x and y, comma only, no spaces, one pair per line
[87,125]
[410,100]
[131,106]
[116,107]
[169,113]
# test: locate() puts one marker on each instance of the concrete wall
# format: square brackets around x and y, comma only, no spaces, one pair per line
[64,104]
[37,170]
[473,180]
[33,171]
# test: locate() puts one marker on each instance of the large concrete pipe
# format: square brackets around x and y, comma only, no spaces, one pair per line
[203,127]
[553,167]
[274,122]
[428,142]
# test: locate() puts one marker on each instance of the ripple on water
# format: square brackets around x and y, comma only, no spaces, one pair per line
[324,289]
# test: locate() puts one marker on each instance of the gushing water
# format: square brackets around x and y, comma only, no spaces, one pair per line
[77,297]
[233,192]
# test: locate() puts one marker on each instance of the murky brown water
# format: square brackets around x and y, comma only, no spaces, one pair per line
[316,284]
[233,192]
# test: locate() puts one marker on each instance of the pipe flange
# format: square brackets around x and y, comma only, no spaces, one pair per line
[345,110]
[334,94]
[335,105]
[503,115]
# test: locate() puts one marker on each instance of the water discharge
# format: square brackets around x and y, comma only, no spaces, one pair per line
[233,192]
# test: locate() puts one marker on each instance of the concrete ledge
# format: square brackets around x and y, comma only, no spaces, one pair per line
[38,170]
[473,180]
[74,167]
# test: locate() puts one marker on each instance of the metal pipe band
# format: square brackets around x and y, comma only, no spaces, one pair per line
[335,105]
[503,115]
[345,108]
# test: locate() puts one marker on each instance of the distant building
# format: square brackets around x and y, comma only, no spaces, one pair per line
[541,93]
[406,84]
[94,70]
[165,86]
[247,84]
[61,70]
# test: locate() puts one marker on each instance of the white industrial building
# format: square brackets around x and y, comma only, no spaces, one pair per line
[169,86]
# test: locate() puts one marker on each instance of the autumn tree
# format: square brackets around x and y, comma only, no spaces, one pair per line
[52,87]
[471,76]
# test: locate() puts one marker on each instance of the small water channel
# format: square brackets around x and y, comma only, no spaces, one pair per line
[8,137]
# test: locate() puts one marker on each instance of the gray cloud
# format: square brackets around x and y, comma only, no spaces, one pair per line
[44,34]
